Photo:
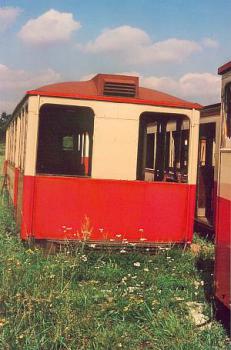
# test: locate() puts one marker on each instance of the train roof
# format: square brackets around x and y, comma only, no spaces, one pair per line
[112,88]
[211,110]
[225,68]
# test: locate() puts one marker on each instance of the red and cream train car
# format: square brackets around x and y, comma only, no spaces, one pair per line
[223,218]
[106,151]
[208,164]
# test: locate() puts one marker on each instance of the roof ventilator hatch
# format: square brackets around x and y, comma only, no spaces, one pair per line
[117,85]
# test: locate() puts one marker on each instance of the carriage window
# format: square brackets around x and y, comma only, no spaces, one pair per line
[163,148]
[65,140]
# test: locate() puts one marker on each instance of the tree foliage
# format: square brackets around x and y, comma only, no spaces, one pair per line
[4,119]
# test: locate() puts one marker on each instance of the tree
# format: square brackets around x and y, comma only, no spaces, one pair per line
[4,118]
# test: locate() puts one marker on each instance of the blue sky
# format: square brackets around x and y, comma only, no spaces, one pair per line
[174,46]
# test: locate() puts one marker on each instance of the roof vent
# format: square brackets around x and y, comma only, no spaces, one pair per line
[117,85]
[119,89]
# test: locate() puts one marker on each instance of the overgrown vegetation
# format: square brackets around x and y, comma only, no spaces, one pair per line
[102,300]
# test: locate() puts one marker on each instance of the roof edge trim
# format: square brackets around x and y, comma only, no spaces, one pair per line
[186,105]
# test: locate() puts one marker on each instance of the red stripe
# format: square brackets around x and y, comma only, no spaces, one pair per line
[223,251]
[16,175]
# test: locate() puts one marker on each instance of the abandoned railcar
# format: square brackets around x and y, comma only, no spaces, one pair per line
[223,211]
[103,160]
[207,174]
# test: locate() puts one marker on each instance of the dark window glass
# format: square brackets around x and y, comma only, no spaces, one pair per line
[65,140]
[228,109]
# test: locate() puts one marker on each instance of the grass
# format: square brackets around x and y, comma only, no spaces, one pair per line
[102,300]
[72,300]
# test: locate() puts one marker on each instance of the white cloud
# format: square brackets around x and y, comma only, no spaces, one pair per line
[51,27]
[15,82]
[170,50]
[88,76]
[7,16]
[210,43]
[118,39]
[135,46]
[199,87]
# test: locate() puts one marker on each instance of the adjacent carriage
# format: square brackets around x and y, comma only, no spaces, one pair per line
[223,210]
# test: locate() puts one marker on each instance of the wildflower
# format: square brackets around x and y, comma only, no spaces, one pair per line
[196,284]
[83,258]
[92,245]
[164,248]
[202,283]
[179,299]
[146,269]
[137,264]
[120,345]
[168,257]
[147,249]
[123,251]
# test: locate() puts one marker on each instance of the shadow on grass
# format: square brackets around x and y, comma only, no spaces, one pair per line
[205,266]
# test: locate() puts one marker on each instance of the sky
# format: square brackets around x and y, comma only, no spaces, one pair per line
[174,46]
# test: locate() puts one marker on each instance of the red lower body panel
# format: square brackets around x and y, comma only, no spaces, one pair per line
[16,177]
[223,251]
[55,208]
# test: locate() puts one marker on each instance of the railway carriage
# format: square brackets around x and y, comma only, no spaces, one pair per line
[103,160]
[223,218]
[207,174]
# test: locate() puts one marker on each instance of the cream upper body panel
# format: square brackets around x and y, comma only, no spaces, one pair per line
[115,138]
[225,175]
